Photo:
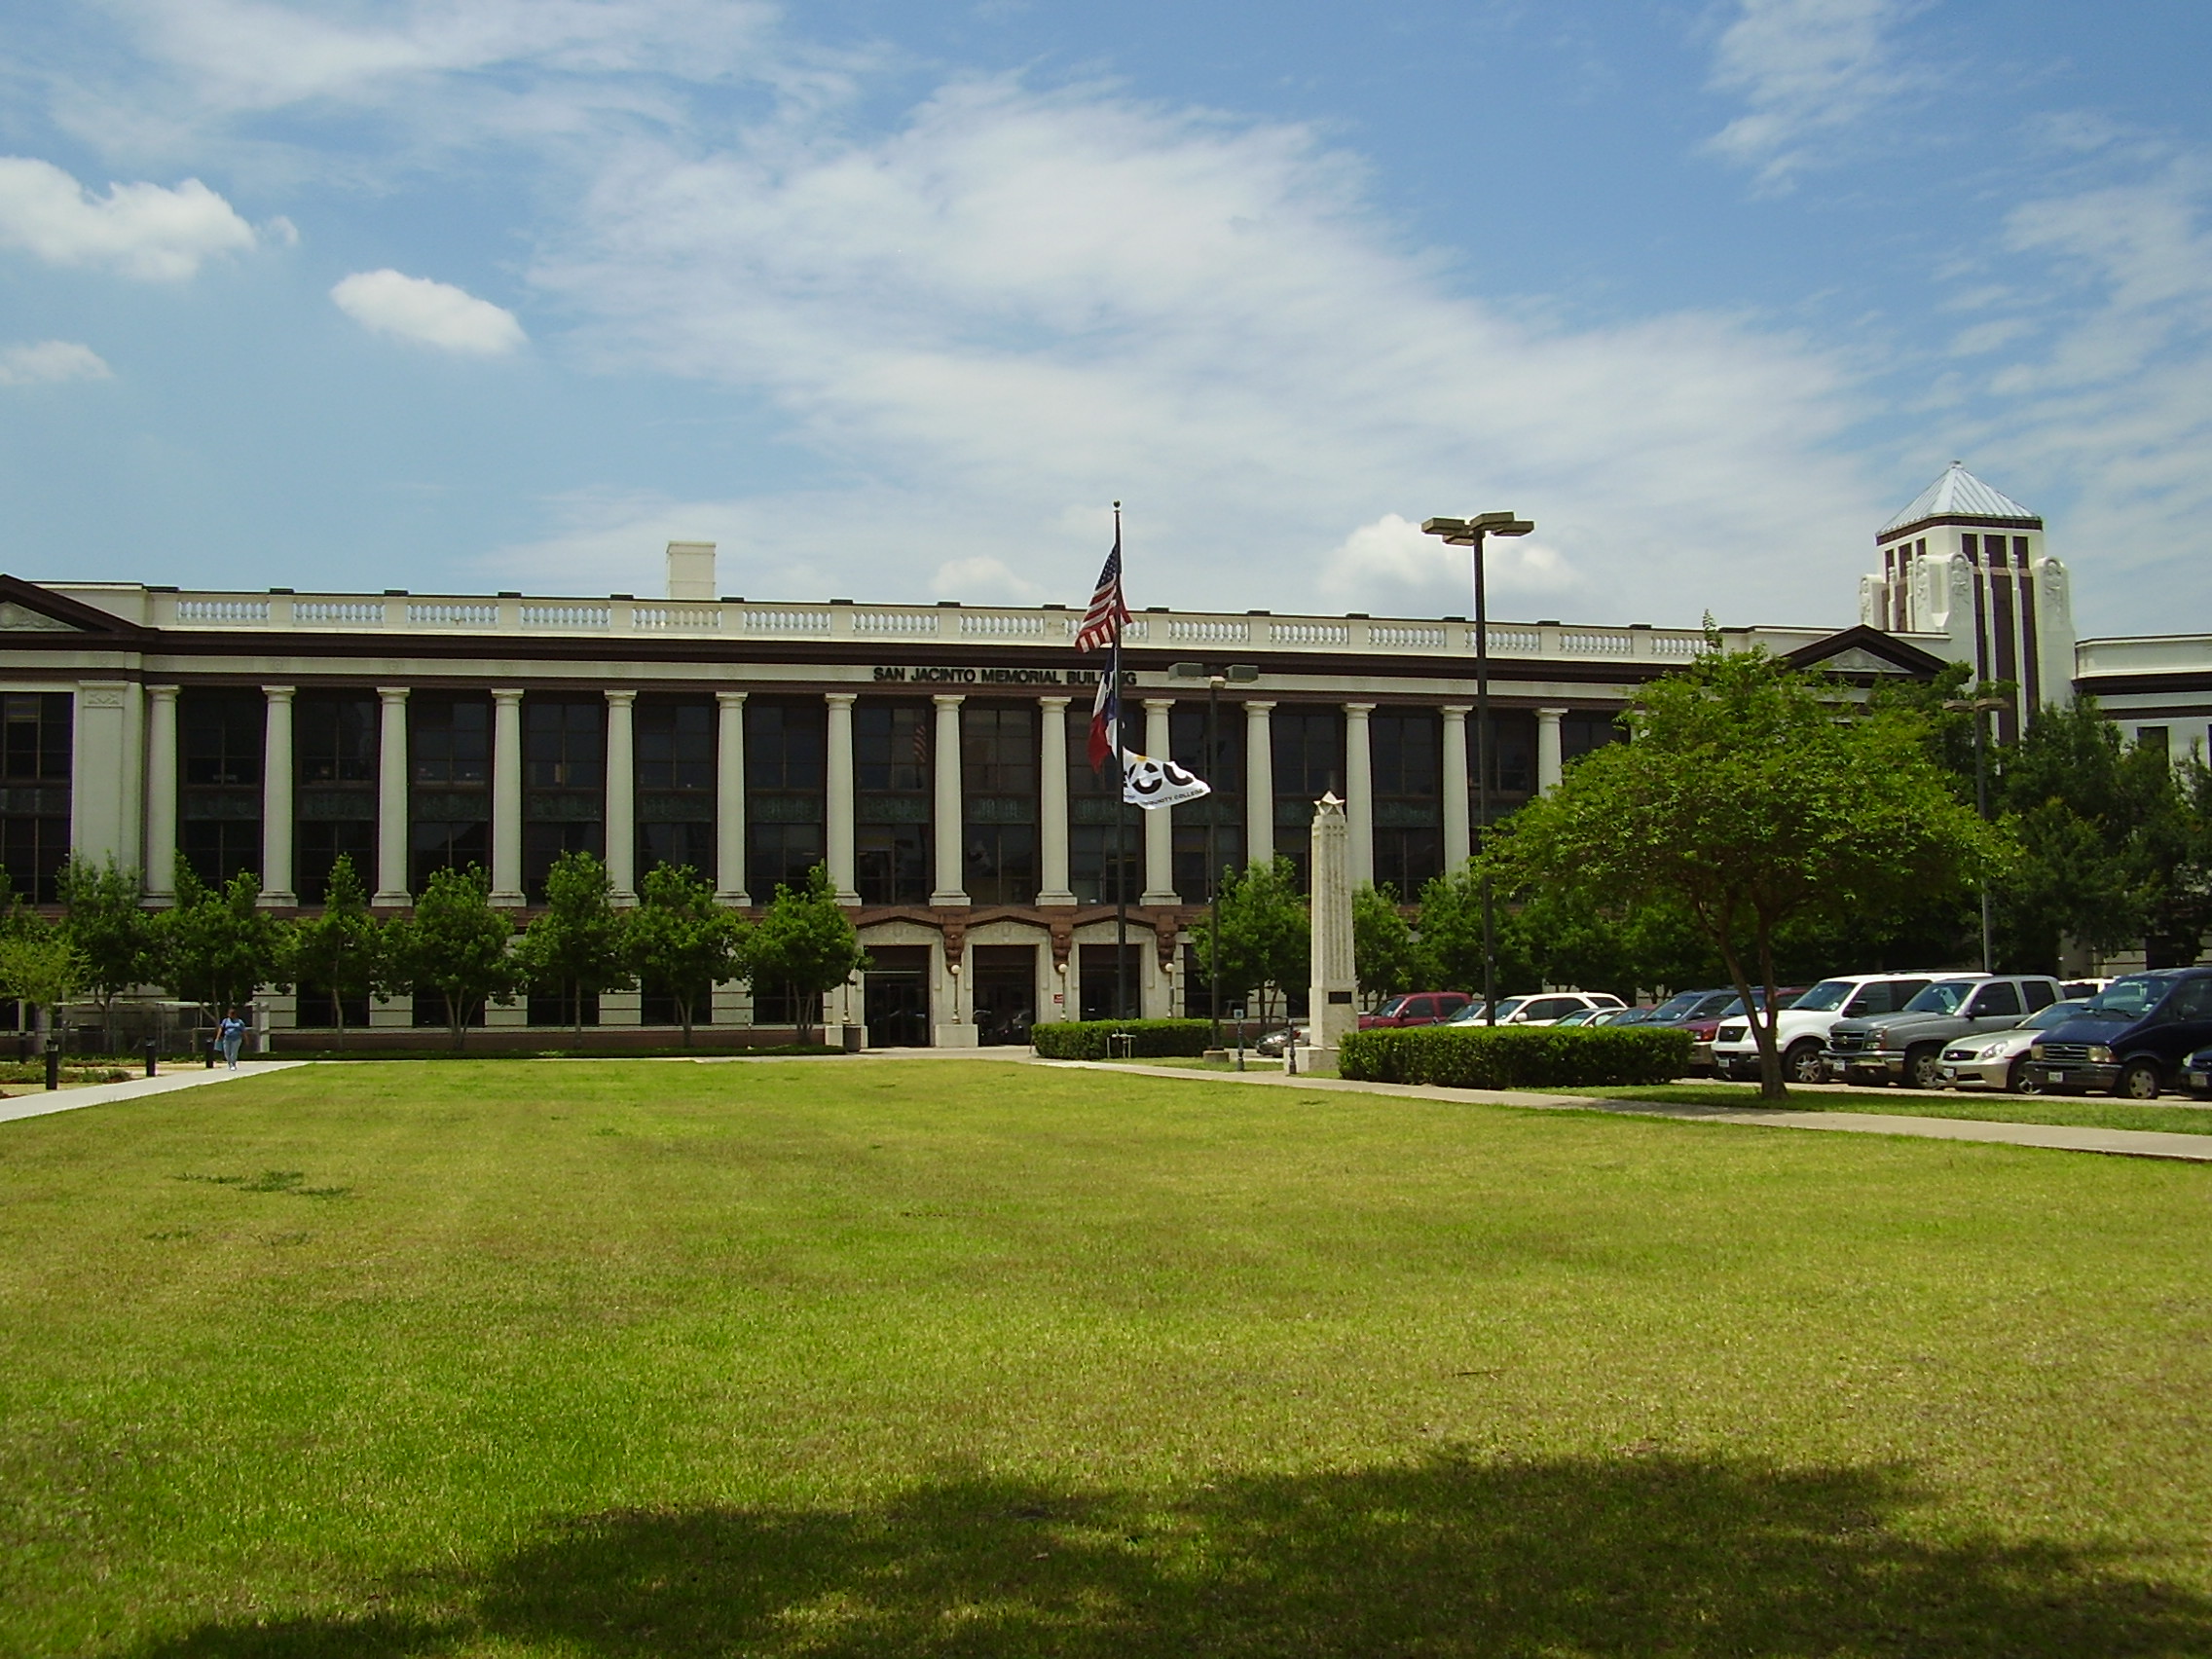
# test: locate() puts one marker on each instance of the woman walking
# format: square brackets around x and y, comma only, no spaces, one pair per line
[230,1034]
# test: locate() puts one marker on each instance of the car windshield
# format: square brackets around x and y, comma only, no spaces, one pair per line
[1825,997]
[1676,1008]
[1394,1006]
[2057,1014]
[2131,998]
[1944,996]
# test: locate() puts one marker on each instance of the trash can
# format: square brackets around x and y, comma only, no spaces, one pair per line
[1121,1045]
[854,1036]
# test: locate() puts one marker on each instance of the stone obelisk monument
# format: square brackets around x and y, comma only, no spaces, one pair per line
[1332,1010]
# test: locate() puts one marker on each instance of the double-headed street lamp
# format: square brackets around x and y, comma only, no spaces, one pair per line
[1978,707]
[1242,674]
[1471,532]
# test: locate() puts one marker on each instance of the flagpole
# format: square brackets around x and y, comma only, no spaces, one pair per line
[1120,816]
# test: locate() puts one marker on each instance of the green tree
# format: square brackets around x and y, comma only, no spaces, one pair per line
[574,946]
[340,950]
[454,947]
[108,928]
[1266,938]
[680,939]
[1752,794]
[1386,959]
[216,946]
[2070,801]
[805,942]
[41,968]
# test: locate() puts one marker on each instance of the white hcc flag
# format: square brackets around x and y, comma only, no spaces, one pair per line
[1150,782]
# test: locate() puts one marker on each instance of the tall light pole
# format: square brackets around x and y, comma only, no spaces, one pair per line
[1244,674]
[1978,707]
[1470,532]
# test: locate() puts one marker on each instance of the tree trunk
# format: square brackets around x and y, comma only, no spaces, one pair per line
[683,1013]
[456,1016]
[1772,1085]
[1761,1029]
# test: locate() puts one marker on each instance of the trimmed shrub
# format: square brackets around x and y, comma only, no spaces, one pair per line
[1085,1039]
[1516,1056]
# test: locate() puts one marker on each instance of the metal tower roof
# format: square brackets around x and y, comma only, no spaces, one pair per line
[1958,494]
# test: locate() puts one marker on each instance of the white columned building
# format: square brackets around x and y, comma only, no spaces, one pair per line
[1052,801]
[622,795]
[838,798]
[1359,795]
[160,791]
[1259,785]
[506,795]
[729,798]
[1550,765]
[1159,827]
[277,798]
[1459,838]
[949,807]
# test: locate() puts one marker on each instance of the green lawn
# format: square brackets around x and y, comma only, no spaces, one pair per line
[2086,1111]
[610,1361]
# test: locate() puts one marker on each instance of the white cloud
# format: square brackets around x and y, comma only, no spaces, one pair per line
[141,230]
[427,311]
[1021,304]
[1805,68]
[1389,566]
[49,360]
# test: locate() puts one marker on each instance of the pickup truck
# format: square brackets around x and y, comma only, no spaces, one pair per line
[1801,1030]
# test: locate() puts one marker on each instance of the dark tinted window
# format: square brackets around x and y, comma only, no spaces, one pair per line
[2193,1000]
[2002,998]
[2041,993]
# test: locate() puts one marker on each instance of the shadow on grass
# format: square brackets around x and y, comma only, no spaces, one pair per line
[1643,1556]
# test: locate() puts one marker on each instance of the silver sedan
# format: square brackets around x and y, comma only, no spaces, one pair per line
[1992,1060]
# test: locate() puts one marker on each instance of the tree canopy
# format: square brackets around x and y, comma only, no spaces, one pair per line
[680,941]
[1266,938]
[805,941]
[454,947]
[575,947]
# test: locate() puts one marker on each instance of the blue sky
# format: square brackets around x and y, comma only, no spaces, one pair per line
[889,300]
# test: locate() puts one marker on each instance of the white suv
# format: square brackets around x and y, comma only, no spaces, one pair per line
[1801,1030]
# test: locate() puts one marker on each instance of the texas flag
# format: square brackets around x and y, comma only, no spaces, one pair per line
[1106,717]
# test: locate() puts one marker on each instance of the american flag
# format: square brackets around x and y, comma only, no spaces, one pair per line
[1102,623]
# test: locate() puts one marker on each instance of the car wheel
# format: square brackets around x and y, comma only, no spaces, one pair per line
[2017,1080]
[1802,1063]
[2138,1080]
[1922,1070]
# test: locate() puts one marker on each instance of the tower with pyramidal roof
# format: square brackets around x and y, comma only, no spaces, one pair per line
[1965,561]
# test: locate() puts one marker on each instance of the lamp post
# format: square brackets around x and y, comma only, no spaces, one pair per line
[1470,532]
[1244,674]
[1978,707]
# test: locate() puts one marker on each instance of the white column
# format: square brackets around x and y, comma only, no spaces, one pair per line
[160,791]
[948,830]
[729,798]
[622,795]
[277,798]
[1458,840]
[1159,827]
[392,795]
[506,795]
[837,803]
[1259,785]
[1053,805]
[1549,765]
[1360,796]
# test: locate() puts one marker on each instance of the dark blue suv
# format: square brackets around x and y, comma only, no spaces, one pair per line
[2131,1040]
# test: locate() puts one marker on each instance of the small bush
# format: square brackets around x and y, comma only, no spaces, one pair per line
[1085,1039]
[1543,1057]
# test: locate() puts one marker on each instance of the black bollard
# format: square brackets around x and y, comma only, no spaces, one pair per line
[210,1052]
[52,1063]
[153,1057]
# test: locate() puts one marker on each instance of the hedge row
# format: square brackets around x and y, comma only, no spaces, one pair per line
[1516,1056]
[1085,1039]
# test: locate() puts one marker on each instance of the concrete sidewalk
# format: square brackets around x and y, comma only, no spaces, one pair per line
[2056,1137]
[40,1102]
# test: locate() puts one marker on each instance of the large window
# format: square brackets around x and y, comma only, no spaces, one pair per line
[35,748]
[1512,763]
[219,783]
[449,767]
[675,784]
[1406,759]
[1105,841]
[564,784]
[1308,745]
[785,746]
[334,788]
[1224,769]
[891,835]
[998,777]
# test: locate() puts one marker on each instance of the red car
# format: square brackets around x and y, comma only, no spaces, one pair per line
[1416,1007]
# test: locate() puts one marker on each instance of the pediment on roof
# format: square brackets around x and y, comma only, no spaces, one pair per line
[1865,651]
[25,608]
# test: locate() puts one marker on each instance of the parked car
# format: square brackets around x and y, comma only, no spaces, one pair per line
[1587,1017]
[1907,1046]
[2134,1039]
[1279,1042]
[1705,1027]
[1801,1030]
[1683,1007]
[1416,1007]
[1540,1008]
[1995,1061]
[2196,1074]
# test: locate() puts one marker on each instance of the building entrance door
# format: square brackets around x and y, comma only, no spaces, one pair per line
[1005,990]
[896,997]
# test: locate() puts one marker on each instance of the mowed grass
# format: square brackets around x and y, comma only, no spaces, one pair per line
[938,1357]
[2081,1111]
